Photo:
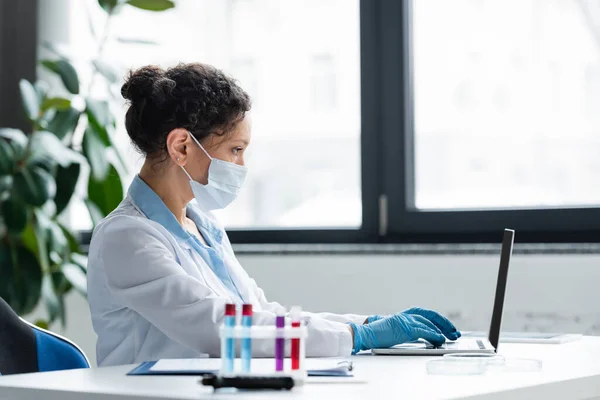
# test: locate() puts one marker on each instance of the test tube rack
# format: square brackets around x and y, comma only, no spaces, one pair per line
[260,333]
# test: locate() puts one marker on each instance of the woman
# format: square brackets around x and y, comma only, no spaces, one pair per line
[161,268]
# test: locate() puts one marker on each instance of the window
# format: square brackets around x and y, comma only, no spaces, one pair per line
[322,83]
[500,115]
[400,120]
[305,157]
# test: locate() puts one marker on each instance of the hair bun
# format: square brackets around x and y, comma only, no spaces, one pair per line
[140,83]
[196,97]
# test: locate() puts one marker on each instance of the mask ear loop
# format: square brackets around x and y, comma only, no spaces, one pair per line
[198,143]
[203,149]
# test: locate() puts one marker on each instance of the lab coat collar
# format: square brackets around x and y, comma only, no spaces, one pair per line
[155,209]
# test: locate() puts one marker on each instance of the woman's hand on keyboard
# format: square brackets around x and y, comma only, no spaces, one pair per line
[395,329]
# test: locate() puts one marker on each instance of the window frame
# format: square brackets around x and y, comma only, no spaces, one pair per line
[18,43]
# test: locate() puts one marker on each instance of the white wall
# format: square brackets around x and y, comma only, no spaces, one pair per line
[545,292]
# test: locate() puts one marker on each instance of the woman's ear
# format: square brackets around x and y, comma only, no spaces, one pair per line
[177,143]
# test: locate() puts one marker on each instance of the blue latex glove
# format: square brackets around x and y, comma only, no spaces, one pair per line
[375,317]
[407,326]
[395,329]
[441,322]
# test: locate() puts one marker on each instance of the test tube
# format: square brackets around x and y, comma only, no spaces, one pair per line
[229,322]
[279,342]
[295,314]
[247,340]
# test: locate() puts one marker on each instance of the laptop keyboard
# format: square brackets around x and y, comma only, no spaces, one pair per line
[465,345]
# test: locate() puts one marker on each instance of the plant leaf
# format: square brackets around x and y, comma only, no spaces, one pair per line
[108,5]
[64,122]
[28,238]
[95,151]
[107,70]
[17,140]
[99,117]
[34,185]
[6,272]
[99,111]
[27,280]
[152,5]
[53,304]
[120,159]
[58,240]
[95,213]
[136,41]
[67,73]
[45,143]
[5,183]
[80,260]
[102,122]
[73,243]
[43,161]
[15,215]
[58,49]
[45,231]
[61,283]
[7,158]
[41,226]
[46,117]
[41,90]
[107,193]
[49,208]
[76,277]
[30,99]
[66,180]
[40,323]
[57,103]
[55,258]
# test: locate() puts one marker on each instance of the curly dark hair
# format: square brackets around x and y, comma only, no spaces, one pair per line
[196,97]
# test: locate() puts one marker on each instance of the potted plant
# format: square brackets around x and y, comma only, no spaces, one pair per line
[40,170]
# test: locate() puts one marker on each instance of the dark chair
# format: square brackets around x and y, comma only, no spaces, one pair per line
[25,347]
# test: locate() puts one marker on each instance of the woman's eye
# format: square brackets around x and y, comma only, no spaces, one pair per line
[237,150]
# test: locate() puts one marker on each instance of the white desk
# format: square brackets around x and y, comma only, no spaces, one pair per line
[570,371]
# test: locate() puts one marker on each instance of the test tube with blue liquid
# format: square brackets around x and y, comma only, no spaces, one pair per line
[246,352]
[228,345]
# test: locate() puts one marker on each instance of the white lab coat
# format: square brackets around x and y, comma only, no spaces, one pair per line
[152,296]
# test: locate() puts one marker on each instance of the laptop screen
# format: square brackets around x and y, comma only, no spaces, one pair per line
[506,252]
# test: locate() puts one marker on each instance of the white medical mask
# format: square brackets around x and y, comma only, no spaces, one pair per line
[225,179]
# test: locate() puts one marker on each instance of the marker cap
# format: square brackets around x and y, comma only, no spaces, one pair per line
[280,321]
[230,310]
[247,310]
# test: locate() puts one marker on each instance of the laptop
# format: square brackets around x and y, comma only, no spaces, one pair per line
[464,344]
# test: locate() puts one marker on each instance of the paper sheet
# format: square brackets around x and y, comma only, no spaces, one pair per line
[186,364]
[258,365]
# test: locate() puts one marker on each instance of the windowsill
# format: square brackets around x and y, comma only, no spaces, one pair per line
[413,249]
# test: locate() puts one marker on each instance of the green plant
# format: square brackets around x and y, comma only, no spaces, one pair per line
[71,134]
